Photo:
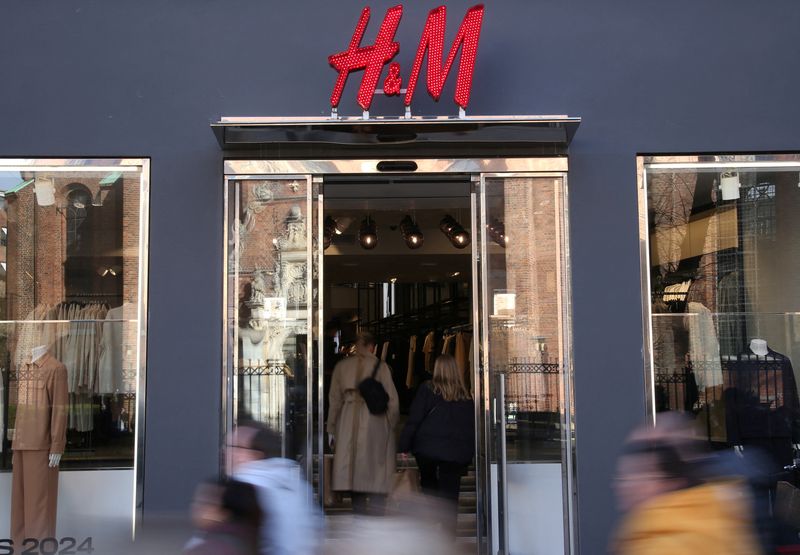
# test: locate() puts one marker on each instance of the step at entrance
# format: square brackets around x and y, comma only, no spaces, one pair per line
[339,515]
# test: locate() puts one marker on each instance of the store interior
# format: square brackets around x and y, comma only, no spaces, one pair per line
[398,264]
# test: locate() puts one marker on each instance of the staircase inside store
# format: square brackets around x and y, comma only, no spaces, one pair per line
[339,518]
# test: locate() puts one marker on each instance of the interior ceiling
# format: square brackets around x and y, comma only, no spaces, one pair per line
[350,199]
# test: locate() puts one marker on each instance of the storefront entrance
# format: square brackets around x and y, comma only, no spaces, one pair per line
[430,256]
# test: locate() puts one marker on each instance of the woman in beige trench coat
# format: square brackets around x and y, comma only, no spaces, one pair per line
[365,445]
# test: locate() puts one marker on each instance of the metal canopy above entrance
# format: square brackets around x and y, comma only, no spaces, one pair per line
[285,138]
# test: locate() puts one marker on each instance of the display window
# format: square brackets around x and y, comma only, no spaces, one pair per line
[721,252]
[72,301]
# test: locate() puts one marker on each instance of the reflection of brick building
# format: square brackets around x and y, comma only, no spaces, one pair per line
[527,346]
[268,256]
[273,214]
[82,246]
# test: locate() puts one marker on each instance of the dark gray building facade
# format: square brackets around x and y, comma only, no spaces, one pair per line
[145,80]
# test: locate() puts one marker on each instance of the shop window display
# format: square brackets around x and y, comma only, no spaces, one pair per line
[723,245]
[71,341]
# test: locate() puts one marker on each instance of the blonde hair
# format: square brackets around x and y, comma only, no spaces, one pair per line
[448,380]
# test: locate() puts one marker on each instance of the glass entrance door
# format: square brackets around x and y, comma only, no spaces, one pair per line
[521,375]
[269,313]
[525,362]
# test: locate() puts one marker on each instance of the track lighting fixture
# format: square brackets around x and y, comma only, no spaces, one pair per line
[412,235]
[368,234]
[497,232]
[457,235]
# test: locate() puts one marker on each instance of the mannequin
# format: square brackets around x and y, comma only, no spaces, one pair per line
[759,347]
[36,354]
[775,430]
[40,435]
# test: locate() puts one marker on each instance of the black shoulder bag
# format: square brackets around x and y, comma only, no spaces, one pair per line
[373,392]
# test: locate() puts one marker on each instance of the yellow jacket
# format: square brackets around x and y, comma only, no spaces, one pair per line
[710,519]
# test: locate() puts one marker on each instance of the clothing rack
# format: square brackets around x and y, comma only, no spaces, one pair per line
[458,327]
[435,317]
[93,296]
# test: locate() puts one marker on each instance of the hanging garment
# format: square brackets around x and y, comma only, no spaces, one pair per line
[412,351]
[81,355]
[461,351]
[117,362]
[448,341]
[462,354]
[427,348]
[703,346]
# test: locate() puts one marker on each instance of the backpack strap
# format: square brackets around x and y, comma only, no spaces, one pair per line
[375,370]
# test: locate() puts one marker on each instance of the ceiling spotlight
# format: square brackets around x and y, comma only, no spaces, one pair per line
[411,233]
[331,229]
[497,232]
[368,234]
[457,235]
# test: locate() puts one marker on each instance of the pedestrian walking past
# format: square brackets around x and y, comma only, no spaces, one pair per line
[227,517]
[671,505]
[290,523]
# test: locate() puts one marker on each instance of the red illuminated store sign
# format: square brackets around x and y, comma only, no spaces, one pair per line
[373,58]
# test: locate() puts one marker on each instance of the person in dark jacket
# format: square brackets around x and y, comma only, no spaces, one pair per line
[440,432]
[227,516]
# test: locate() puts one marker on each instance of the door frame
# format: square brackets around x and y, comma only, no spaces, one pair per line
[314,171]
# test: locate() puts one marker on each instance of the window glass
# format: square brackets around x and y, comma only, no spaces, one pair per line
[268,311]
[71,338]
[724,256]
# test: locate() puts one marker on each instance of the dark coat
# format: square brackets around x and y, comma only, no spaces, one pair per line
[438,429]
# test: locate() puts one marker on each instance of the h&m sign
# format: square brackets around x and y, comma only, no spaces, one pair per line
[372,58]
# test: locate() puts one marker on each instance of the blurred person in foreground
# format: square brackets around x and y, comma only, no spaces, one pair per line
[290,523]
[227,517]
[363,443]
[440,432]
[672,505]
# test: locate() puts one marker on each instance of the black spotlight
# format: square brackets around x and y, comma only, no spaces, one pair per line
[411,233]
[457,235]
[331,228]
[368,234]
[497,231]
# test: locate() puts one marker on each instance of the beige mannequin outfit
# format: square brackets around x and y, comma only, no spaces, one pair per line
[39,430]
